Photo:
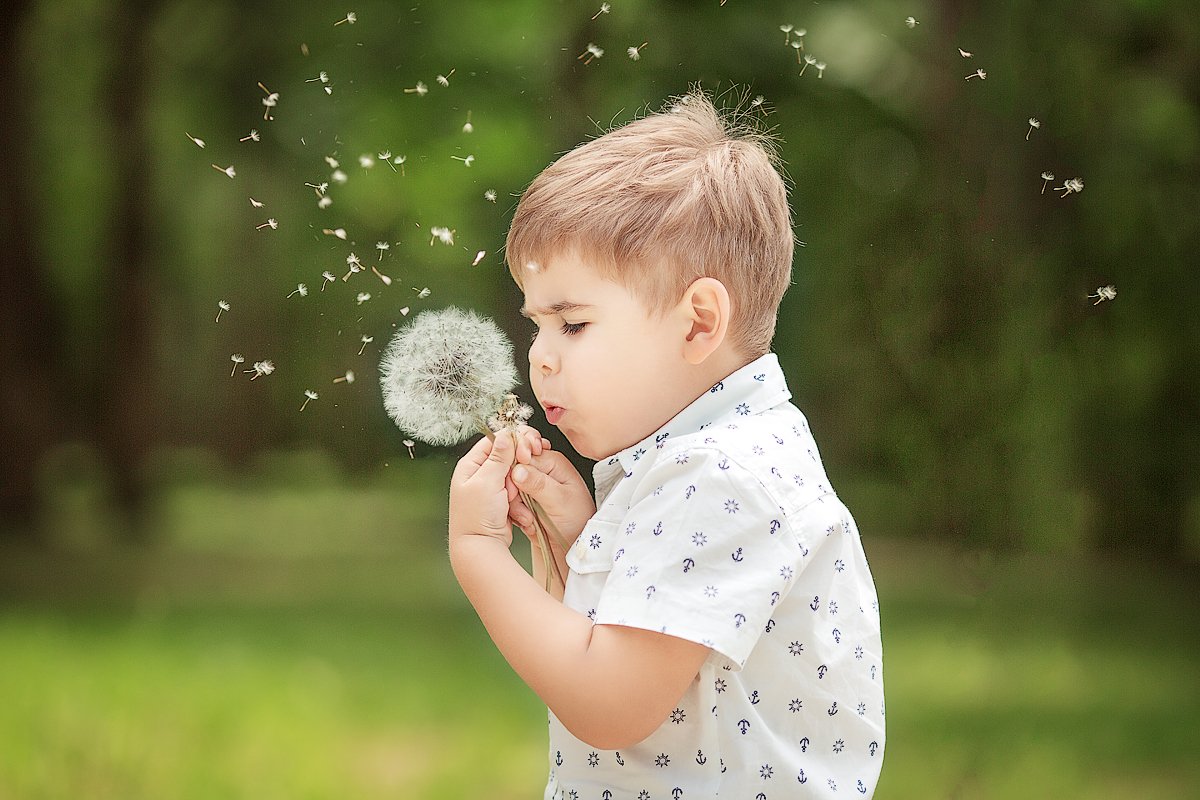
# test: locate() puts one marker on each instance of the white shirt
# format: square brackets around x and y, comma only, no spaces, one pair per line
[721,528]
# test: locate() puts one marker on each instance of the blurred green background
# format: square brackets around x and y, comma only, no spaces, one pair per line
[207,592]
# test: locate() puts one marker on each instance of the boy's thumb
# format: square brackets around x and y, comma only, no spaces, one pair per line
[525,479]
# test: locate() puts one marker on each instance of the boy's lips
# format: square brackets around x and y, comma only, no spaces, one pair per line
[554,413]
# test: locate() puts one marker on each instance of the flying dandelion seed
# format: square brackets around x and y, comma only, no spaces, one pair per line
[911,22]
[490,195]
[758,101]
[964,53]
[327,278]
[255,203]
[381,247]
[478,257]
[799,34]
[635,53]
[400,161]
[261,368]
[787,33]
[1046,178]
[230,171]
[198,142]
[269,102]
[350,19]
[325,202]
[590,54]
[338,232]
[363,297]
[222,307]
[467,126]
[332,162]
[808,62]
[604,9]
[820,65]
[347,378]
[1034,122]
[1104,293]
[270,223]
[466,161]
[440,234]
[366,161]
[1071,185]
[337,176]
[366,340]
[252,136]
[236,358]
[309,395]
[300,289]
[422,293]
[409,443]
[444,80]
[977,74]
[354,264]
[323,77]
[445,374]
[420,89]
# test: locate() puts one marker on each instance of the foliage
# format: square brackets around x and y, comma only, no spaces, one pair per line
[939,333]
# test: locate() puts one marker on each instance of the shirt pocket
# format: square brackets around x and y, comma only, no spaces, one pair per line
[593,550]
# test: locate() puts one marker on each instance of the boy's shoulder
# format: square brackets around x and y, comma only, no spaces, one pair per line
[773,450]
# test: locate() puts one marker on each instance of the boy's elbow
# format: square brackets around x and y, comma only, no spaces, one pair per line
[613,727]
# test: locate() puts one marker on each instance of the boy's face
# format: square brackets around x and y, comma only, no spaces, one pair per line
[605,372]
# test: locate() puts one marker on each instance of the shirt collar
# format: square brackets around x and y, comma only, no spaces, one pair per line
[756,387]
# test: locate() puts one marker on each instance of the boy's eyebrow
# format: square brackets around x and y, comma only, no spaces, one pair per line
[561,307]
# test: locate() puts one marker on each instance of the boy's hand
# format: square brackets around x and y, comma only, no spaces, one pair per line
[479,495]
[551,480]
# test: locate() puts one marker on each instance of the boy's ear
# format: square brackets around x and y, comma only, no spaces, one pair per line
[706,306]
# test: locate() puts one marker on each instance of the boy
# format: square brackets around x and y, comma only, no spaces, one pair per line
[718,634]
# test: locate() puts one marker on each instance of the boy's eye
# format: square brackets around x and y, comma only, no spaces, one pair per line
[572,328]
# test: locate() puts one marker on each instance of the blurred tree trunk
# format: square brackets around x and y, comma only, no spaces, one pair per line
[128,419]
[30,331]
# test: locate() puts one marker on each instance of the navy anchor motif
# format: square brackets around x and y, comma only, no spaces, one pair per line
[678,793]
[688,563]
[743,726]
[701,759]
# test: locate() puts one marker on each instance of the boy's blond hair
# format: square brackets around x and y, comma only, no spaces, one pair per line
[655,204]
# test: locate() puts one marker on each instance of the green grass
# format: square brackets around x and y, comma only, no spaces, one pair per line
[284,640]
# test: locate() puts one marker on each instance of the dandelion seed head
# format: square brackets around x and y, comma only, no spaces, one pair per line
[911,22]
[442,80]
[1047,176]
[634,53]
[423,293]
[329,276]
[399,159]
[381,246]
[490,195]
[237,358]
[255,203]
[363,297]
[366,161]
[332,162]
[338,176]
[310,394]
[325,202]
[1034,122]
[445,373]
[198,142]
[263,367]
[223,305]
[302,290]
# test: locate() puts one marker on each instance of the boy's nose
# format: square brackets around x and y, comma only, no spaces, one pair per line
[541,359]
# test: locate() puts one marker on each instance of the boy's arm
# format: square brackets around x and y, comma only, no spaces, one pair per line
[611,686]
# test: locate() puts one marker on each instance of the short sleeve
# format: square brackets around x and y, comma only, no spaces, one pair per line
[702,554]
